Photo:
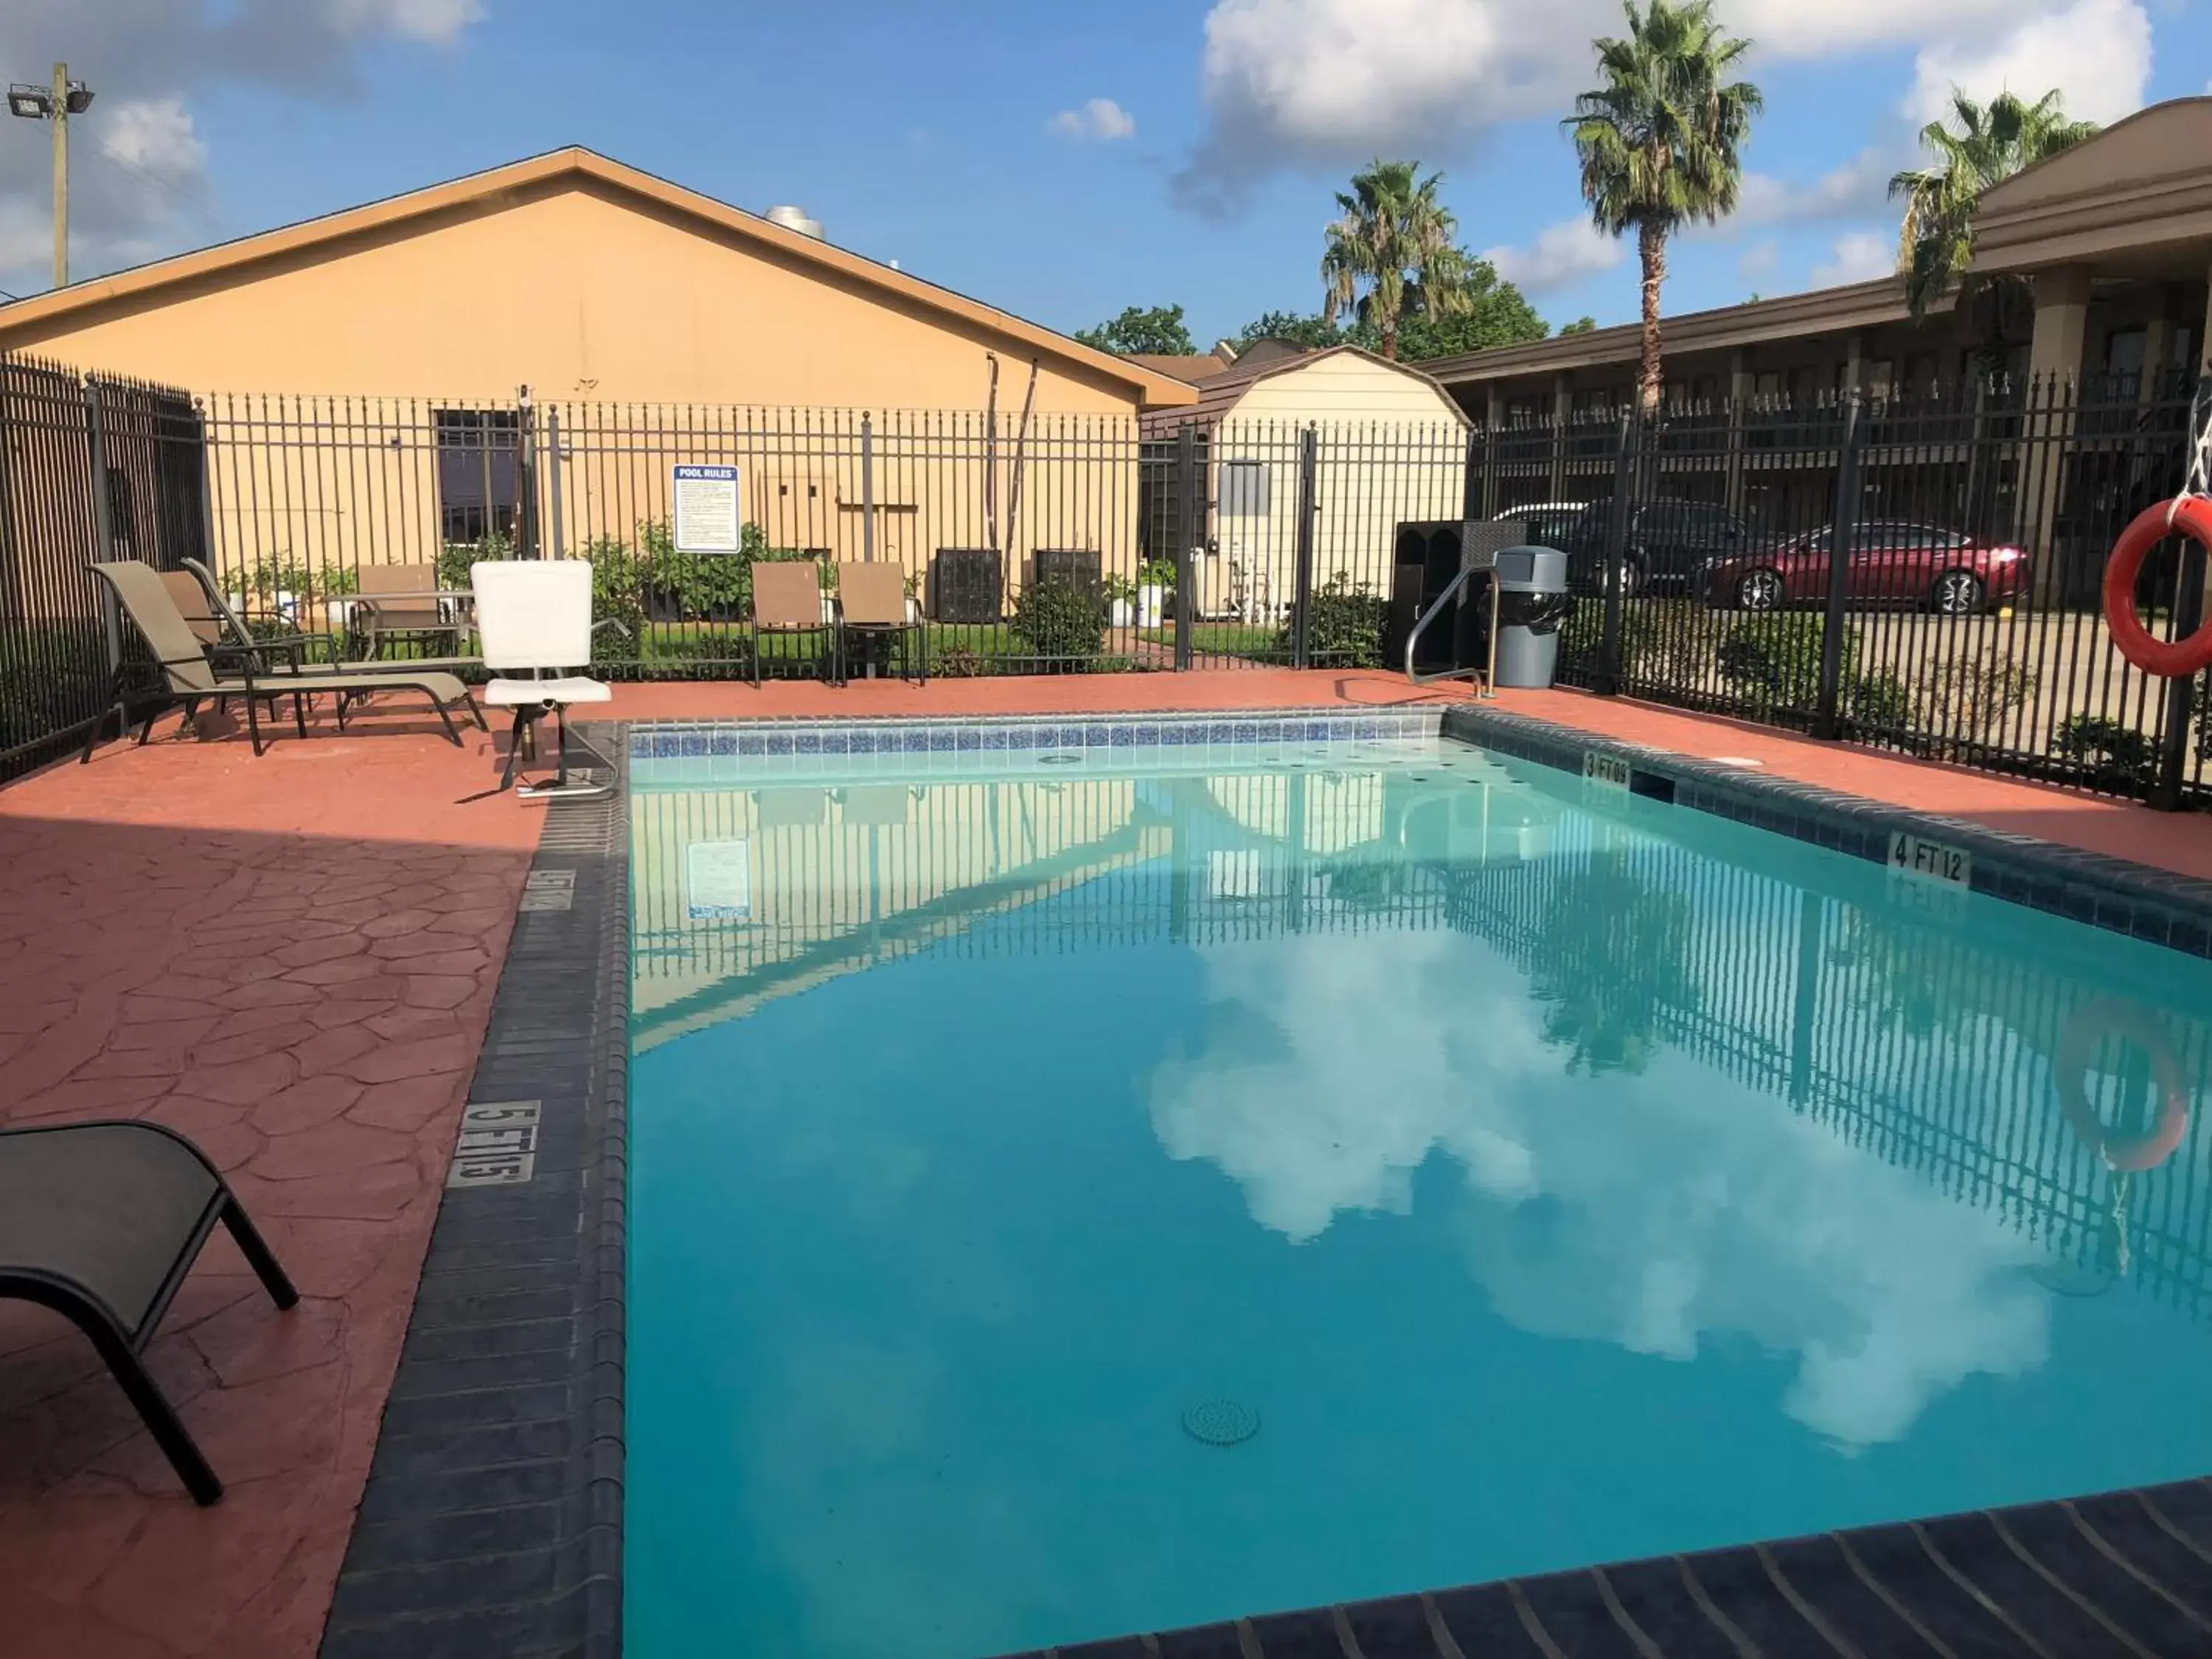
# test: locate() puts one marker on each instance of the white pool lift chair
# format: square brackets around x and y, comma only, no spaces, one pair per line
[534,617]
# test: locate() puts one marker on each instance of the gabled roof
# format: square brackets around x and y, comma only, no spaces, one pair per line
[1219,393]
[579,164]
[1192,368]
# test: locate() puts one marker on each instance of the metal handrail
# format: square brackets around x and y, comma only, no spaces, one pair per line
[1489,670]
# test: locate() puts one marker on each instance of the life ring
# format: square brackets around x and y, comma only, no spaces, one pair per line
[2191,516]
[2077,1045]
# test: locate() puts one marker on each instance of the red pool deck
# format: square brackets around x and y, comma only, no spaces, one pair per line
[293,960]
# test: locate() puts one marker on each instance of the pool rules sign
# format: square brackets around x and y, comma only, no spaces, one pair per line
[707,509]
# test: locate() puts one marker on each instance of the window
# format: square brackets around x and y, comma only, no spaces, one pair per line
[1243,489]
[479,480]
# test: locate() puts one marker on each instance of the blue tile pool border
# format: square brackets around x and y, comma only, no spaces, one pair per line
[2141,901]
[493,1518]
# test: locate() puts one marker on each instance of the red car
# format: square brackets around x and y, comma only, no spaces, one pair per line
[1891,563]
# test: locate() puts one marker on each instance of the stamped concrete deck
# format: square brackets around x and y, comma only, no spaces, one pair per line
[293,960]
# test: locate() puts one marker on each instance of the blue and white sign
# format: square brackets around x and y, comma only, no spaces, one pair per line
[707,519]
[719,875]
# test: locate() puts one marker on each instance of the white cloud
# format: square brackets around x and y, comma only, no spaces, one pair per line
[1859,184]
[1859,256]
[154,134]
[2096,51]
[1300,83]
[1101,118]
[1653,1212]
[1564,253]
[1761,260]
[138,188]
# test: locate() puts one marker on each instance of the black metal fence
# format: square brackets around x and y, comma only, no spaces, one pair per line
[85,464]
[1960,620]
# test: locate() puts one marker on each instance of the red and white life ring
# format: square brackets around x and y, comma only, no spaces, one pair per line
[2086,1027]
[2191,516]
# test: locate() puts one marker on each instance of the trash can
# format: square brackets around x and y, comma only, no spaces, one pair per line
[1533,601]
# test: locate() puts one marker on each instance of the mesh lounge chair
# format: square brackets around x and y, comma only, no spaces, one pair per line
[872,602]
[535,616]
[188,676]
[399,604]
[788,600]
[101,1222]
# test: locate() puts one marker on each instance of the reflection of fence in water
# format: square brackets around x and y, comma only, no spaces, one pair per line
[1901,1037]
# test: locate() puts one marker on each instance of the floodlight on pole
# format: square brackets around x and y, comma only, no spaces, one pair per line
[55,104]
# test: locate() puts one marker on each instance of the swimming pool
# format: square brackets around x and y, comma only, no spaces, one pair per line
[1077,1192]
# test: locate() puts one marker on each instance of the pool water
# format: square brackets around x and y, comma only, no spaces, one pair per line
[1099,1199]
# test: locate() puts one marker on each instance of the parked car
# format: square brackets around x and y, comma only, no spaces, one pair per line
[1667,547]
[1892,562]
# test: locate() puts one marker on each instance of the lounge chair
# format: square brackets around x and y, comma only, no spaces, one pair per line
[188,674]
[292,646]
[872,602]
[534,618]
[400,604]
[101,1222]
[788,600]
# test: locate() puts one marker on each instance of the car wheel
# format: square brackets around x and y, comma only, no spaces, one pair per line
[1957,593]
[1631,579]
[1759,590]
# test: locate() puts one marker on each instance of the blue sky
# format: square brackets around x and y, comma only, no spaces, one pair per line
[931,134]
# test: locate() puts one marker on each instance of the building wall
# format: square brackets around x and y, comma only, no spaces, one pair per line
[574,287]
[1392,448]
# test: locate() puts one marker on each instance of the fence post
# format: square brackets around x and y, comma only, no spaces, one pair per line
[525,483]
[1826,716]
[867,490]
[2181,693]
[553,482]
[103,523]
[1628,439]
[1309,506]
[1186,527]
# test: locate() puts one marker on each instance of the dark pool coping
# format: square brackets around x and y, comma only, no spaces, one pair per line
[2142,901]
[492,1522]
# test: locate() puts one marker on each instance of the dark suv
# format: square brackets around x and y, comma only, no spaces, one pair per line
[1667,547]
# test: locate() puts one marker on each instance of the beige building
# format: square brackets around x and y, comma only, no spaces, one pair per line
[1389,445]
[2114,238]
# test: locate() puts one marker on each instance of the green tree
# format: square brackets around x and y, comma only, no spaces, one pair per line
[1661,142]
[1298,328]
[1155,329]
[1392,254]
[1580,326]
[1494,313]
[1935,243]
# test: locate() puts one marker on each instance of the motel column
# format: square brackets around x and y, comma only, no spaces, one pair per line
[1739,404]
[2054,367]
[1563,409]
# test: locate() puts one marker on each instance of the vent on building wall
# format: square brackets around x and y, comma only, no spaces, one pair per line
[794,218]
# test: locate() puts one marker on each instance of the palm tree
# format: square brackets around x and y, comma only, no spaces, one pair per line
[1937,243]
[1661,142]
[1395,239]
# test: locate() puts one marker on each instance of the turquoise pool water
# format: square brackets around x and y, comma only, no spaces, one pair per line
[1551,1175]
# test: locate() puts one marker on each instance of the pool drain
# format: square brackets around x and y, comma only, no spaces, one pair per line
[1221,1423]
[1059,760]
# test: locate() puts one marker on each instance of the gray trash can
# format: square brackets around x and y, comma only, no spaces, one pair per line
[1533,601]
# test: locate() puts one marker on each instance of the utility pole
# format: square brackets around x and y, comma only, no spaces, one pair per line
[55,105]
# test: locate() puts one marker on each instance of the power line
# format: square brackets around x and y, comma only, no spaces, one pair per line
[164,186]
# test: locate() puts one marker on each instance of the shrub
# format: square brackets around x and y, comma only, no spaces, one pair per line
[1058,621]
[454,559]
[1879,701]
[618,596]
[50,679]
[1967,698]
[1344,625]
[958,662]
[1663,643]
[1775,660]
[2113,756]
[710,586]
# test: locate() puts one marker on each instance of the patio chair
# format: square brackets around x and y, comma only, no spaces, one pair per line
[871,604]
[187,672]
[100,1222]
[294,645]
[535,616]
[787,602]
[400,602]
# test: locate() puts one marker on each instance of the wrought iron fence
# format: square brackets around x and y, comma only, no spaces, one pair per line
[1960,621]
[85,464]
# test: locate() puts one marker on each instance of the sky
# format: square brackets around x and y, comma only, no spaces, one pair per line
[1060,161]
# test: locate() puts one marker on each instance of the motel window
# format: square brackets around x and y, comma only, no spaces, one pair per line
[1243,489]
[479,478]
